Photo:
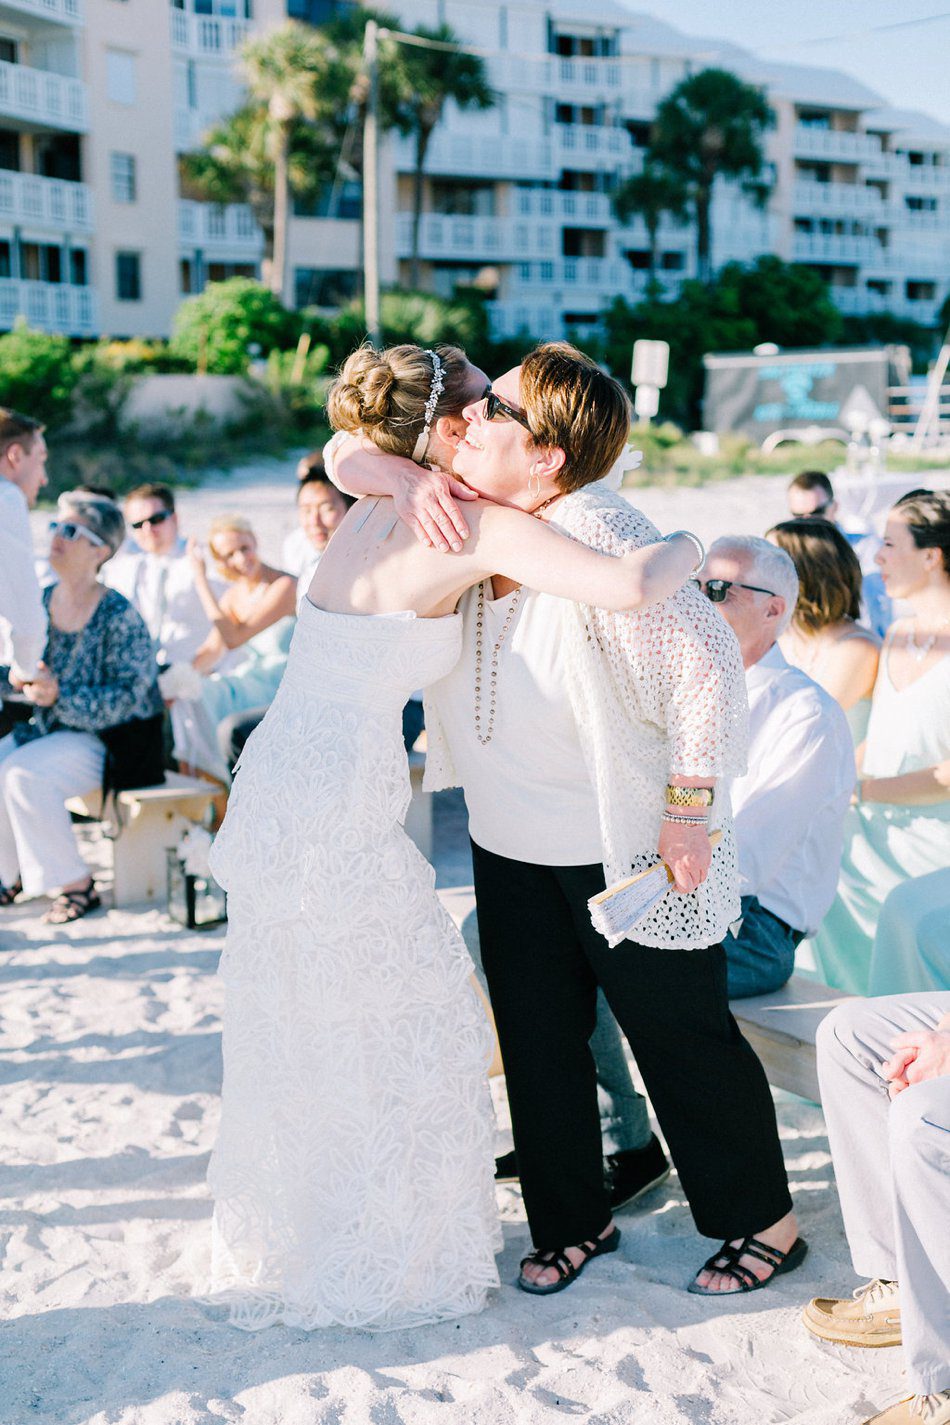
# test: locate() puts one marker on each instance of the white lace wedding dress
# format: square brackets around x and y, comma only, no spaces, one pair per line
[353,1173]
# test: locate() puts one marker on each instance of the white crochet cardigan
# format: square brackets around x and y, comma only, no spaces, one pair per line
[654,692]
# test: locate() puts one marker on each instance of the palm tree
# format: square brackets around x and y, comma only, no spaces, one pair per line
[235,165]
[712,125]
[299,77]
[430,78]
[653,194]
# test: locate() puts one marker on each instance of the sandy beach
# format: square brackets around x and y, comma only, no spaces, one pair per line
[110,1065]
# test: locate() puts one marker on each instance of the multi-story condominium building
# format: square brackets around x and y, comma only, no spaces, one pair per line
[98,98]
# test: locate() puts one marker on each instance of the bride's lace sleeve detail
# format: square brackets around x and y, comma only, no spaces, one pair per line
[676,665]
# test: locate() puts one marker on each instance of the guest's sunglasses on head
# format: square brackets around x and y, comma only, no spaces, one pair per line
[820,512]
[498,410]
[158,518]
[717,589]
[66,529]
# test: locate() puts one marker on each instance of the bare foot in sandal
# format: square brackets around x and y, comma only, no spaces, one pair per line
[753,1268]
[8,894]
[73,902]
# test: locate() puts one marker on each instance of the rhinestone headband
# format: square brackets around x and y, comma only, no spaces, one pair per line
[435,391]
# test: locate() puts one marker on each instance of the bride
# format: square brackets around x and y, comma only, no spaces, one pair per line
[353,1174]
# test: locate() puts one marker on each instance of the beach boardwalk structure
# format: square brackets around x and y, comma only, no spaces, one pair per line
[153,818]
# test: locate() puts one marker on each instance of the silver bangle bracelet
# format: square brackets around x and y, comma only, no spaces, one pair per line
[697,542]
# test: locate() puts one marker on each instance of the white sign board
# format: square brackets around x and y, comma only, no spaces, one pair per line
[651,363]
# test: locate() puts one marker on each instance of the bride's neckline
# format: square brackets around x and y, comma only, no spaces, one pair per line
[403,614]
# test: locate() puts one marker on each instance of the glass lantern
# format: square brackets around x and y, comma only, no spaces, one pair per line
[196,902]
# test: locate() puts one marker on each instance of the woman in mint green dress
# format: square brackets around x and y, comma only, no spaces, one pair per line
[899,830]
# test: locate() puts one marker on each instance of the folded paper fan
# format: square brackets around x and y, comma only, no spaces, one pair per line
[620,908]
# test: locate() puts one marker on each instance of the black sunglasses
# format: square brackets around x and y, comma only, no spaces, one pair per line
[158,518]
[496,408]
[717,589]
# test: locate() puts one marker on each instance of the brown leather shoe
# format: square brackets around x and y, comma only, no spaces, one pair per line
[872,1317]
[917,1410]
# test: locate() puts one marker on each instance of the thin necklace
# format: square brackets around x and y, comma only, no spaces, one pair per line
[919,651]
[485,736]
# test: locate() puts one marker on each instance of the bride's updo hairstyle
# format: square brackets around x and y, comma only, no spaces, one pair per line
[927,515]
[384,394]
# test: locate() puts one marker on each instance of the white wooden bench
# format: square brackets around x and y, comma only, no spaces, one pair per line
[781,1028]
[153,818]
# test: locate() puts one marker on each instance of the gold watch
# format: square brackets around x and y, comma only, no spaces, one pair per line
[689,796]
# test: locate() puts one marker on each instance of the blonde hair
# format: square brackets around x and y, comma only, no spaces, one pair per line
[384,393]
[227,524]
[573,406]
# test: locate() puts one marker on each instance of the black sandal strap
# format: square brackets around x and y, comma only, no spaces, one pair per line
[561,1263]
[772,1256]
[8,894]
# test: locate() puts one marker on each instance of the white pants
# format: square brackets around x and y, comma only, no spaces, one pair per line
[892,1163]
[37,842]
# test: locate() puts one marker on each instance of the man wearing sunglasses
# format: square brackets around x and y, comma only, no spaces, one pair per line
[156,575]
[790,805]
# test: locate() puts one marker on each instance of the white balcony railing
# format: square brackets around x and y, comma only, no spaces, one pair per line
[857,301]
[49,306]
[67,12]
[47,202]
[566,78]
[216,227]
[478,240]
[499,156]
[588,141]
[602,275]
[583,208]
[847,198]
[829,247]
[207,35]
[927,178]
[835,145]
[42,98]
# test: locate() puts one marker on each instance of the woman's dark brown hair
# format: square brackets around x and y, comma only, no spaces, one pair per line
[829,575]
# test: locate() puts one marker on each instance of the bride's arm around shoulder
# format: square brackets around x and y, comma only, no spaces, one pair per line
[525,548]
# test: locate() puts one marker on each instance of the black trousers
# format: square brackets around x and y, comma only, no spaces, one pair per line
[543,961]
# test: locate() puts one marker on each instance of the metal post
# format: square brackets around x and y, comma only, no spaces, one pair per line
[371,185]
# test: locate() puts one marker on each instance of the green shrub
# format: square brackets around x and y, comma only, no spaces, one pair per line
[38,375]
[301,390]
[228,324]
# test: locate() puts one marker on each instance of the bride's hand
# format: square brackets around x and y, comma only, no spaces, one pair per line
[426,502]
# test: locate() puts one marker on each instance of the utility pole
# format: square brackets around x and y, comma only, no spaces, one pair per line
[371,185]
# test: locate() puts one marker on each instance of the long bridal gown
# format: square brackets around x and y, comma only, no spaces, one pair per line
[353,1173]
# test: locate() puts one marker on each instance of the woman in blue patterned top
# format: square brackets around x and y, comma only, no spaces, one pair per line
[98,671]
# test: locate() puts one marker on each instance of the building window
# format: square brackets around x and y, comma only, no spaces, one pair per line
[120,76]
[9,50]
[324,286]
[921,291]
[78,268]
[128,277]
[122,176]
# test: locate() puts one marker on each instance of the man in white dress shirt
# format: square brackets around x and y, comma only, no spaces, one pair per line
[790,805]
[156,575]
[22,477]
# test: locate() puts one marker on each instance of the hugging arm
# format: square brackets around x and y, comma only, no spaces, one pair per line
[521,547]
[426,500]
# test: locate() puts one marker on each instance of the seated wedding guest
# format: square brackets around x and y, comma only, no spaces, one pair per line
[155,574]
[297,548]
[900,827]
[98,672]
[320,508]
[255,615]
[789,807]
[884,1070]
[824,638]
[811,496]
[912,939]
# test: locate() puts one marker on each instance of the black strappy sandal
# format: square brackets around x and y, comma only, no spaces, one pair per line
[726,1261]
[73,905]
[562,1264]
[8,894]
